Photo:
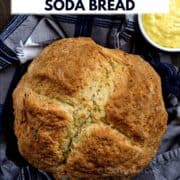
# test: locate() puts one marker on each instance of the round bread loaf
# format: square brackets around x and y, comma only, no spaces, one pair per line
[89,112]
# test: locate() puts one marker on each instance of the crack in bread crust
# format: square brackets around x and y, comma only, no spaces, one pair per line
[91,95]
[96,98]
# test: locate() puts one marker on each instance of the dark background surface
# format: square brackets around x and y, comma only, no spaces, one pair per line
[4,13]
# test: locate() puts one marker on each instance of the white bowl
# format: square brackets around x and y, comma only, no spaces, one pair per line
[151,41]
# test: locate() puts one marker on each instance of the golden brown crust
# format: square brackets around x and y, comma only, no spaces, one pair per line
[102,151]
[89,112]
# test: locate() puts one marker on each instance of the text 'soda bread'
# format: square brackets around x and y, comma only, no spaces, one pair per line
[91,6]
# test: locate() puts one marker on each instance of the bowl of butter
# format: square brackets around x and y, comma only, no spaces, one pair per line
[162,30]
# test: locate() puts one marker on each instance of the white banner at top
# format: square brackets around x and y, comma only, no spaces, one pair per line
[88,6]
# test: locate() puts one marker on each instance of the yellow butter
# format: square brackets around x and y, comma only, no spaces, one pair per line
[164,29]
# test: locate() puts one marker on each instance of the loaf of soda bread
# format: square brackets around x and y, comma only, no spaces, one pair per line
[89,112]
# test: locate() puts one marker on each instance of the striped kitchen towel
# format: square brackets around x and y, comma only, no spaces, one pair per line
[26,36]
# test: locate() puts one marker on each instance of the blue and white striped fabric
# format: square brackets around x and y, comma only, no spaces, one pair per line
[7,56]
[26,36]
[37,31]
